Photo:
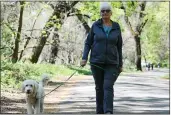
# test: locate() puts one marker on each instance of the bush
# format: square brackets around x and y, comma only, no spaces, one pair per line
[12,75]
[128,66]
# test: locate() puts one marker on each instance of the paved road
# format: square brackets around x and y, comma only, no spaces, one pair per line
[140,92]
[144,92]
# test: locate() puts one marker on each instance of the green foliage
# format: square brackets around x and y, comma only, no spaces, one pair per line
[131,7]
[12,75]
[7,41]
[129,66]
[43,32]
[54,17]
[116,5]
[80,71]
[49,24]
[155,34]
[58,26]
[92,9]
[166,77]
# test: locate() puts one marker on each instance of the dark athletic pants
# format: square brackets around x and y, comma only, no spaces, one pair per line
[104,81]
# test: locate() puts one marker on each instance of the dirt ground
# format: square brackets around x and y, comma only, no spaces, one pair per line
[142,92]
[13,101]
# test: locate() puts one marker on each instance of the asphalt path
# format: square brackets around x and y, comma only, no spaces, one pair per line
[143,92]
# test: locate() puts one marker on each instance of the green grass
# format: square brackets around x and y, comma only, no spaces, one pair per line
[166,77]
[12,75]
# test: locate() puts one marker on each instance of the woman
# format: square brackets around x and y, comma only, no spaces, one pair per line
[105,42]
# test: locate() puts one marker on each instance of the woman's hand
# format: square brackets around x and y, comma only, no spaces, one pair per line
[83,63]
[120,69]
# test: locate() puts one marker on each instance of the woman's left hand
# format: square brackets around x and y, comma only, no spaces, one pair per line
[120,69]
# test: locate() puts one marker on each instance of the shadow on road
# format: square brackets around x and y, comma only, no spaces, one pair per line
[146,105]
[134,93]
[8,105]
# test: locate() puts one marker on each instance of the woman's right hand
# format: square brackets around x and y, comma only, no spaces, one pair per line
[83,63]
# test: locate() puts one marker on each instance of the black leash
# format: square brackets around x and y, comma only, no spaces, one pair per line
[72,75]
[61,84]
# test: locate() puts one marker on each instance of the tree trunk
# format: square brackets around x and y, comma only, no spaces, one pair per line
[81,17]
[17,40]
[137,32]
[29,37]
[25,45]
[59,11]
[85,25]
[139,29]
[54,48]
[138,53]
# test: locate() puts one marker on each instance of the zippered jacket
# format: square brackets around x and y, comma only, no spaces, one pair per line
[106,50]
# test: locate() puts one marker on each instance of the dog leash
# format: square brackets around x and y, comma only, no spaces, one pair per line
[61,84]
[72,76]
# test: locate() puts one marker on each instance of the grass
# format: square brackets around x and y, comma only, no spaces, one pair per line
[166,77]
[12,75]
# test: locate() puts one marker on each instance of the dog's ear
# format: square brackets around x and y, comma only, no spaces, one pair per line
[22,87]
[35,87]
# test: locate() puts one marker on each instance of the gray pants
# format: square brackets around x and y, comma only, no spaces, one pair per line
[104,81]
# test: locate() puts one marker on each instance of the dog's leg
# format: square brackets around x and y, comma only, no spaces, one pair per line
[37,107]
[29,109]
[41,106]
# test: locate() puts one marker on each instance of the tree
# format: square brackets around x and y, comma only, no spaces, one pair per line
[17,40]
[139,25]
[155,37]
[57,19]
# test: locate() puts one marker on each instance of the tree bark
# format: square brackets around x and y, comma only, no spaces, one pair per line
[81,17]
[85,25]
[138,53]
[59,11]
[17,40]
[54,48]
[137,38]
[29,37]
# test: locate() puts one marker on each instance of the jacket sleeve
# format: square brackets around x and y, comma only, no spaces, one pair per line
[88,44]
[119,46]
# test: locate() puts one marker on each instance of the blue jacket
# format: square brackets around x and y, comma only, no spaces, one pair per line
[106,50]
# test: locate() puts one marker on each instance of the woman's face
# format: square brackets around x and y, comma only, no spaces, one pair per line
[106,13]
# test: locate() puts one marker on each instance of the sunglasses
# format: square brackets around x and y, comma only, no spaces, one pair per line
[107,11]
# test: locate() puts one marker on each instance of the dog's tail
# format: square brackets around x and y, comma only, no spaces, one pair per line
[45,79]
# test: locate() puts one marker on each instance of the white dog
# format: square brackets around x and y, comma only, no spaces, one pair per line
[35,94]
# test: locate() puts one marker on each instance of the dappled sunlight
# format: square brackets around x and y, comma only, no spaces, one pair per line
[9,105]
[142,105]
[143,92]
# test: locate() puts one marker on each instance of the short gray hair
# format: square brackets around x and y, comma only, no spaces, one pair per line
[105,5]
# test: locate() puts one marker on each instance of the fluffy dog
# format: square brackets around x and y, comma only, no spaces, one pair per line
[35,94]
